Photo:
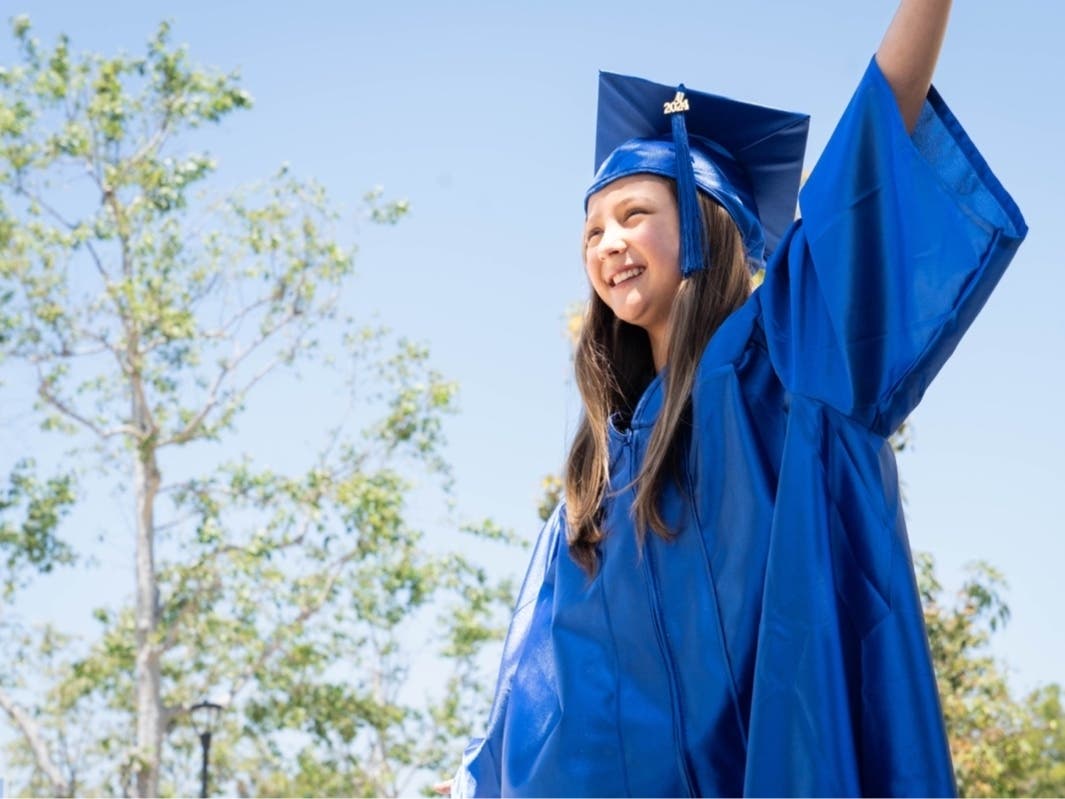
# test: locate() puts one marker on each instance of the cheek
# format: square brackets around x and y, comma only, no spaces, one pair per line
[669,257]
[667,245]
[591,270]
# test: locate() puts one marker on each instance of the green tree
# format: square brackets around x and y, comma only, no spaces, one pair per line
[30,512]
[1001,746]
[31,545]
[149,319]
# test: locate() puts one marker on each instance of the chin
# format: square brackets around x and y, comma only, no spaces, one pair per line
[628,318]
[634,316]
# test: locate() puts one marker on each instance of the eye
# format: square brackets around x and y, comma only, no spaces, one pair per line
[634,211]
[591,235]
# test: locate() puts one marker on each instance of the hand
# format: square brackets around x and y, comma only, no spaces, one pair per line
[443,788]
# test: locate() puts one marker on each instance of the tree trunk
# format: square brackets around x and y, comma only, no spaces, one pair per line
[149,703]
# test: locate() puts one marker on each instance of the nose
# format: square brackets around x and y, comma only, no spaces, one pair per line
[611,243]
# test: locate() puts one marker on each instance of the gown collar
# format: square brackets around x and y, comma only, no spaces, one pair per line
[726,346]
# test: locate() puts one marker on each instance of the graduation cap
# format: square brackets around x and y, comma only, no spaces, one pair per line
[747,157]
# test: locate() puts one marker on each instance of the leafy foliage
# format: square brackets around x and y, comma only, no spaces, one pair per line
[32,544]
[152,319]
[1001,746]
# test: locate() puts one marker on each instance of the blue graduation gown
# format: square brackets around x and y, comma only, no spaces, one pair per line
[776,645]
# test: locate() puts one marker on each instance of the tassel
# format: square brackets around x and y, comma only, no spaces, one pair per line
[691,217]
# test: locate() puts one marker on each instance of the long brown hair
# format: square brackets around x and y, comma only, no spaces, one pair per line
[613,366]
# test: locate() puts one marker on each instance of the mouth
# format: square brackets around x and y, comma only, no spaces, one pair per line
[628,274]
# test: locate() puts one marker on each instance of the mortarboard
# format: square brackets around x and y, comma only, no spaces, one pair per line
[747,157]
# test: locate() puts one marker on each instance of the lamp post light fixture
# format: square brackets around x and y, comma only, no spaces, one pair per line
[205,720]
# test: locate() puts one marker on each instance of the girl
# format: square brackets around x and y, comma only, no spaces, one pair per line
[725,603]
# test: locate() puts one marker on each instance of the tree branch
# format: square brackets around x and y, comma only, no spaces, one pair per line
[277,638]
[35,197]
[46,394]
[190,430]
[154,142]
[172,635]
[32,733]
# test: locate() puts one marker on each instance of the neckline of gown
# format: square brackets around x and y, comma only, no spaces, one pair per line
[724,347]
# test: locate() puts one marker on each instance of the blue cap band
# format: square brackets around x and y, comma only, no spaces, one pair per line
[714,171]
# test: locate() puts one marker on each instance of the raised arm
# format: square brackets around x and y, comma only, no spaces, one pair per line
[907,55]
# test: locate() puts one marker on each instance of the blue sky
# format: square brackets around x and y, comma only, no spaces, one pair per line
[481,114]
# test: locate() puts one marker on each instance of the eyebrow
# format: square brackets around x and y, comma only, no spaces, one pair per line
[642,198]
[634,199]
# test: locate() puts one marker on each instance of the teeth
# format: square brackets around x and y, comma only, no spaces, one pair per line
[626,275]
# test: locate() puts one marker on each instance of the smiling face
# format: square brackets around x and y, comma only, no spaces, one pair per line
[632,253]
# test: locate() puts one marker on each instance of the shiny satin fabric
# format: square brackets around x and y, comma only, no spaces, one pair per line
[720,177]
[774,646]
[747,157]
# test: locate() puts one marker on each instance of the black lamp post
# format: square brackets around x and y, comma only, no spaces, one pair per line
[205,720]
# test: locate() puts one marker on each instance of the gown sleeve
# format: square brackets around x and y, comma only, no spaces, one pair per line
[902,239]
[901,242]
[480,772]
